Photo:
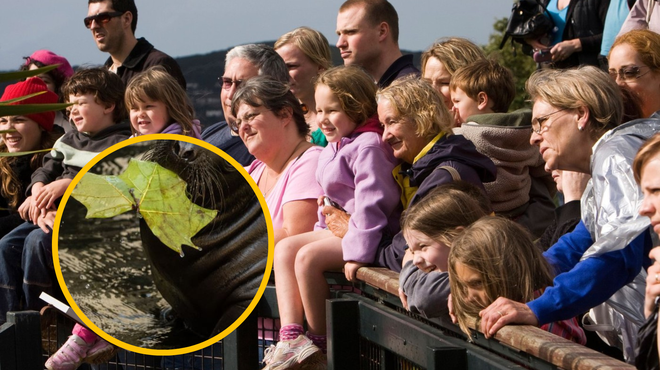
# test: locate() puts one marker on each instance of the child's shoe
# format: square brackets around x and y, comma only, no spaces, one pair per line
[100,352]
[70,355]
[291,354]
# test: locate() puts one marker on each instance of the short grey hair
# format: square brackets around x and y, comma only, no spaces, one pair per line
[264,58]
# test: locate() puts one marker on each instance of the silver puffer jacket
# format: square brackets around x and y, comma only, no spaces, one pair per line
[610,211]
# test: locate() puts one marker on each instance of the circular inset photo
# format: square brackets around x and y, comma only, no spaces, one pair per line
[162,245]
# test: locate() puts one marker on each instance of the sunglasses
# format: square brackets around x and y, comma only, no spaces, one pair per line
[628,73]
[226,83]
[101,18]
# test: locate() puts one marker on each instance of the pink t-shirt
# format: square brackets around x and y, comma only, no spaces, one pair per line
[297,182]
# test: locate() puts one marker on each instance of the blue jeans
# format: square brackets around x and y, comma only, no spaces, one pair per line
[26,269]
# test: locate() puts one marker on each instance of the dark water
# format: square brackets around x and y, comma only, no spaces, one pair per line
[107,273]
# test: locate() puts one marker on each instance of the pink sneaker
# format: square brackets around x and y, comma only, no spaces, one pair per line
[70,355]
[100,352]
[291,354]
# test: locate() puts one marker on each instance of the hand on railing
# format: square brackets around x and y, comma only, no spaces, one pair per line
[502,312]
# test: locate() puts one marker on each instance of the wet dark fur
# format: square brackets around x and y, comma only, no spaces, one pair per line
[210,289]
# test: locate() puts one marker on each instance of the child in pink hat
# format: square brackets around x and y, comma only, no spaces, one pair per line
[53,79]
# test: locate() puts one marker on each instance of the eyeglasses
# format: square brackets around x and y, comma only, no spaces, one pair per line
[537,123]
[227,82]
[628,73]
[101,18]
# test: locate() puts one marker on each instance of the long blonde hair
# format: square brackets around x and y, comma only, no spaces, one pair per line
[156,84]
[505,256]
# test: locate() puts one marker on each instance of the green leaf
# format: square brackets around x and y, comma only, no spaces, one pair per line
[104,196]
[10,101]
[18,154]
[17,110]
[159,195]
[19,75]
[8,131]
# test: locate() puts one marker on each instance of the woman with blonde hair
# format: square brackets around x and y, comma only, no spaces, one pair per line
[634,62]
[576,125]
[481,270]
[417,126]
[306,53]
[443,58]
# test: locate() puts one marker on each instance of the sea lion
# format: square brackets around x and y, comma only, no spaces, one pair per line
[211,288]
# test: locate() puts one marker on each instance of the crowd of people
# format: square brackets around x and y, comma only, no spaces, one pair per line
[376,163]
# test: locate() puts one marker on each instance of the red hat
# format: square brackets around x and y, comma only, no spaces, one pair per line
[49,58]
[31,86]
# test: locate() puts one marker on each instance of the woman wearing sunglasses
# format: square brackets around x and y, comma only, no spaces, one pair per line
[599,265]
[634,61]
[271,123]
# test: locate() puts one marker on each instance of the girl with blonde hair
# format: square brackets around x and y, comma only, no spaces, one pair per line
[354,170]
[495,257]
[156,103]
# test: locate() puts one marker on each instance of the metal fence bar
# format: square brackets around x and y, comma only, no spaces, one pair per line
[27,341]
[240,347]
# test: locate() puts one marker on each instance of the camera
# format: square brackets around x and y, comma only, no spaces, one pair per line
[541,56]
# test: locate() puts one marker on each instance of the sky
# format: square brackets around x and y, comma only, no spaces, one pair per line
[188,27]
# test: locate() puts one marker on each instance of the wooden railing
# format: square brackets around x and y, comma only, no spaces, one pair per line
[531,340]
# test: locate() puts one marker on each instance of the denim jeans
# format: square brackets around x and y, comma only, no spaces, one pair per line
[26,269]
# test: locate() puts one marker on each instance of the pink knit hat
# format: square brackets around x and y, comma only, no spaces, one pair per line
[31,86]
[49,58]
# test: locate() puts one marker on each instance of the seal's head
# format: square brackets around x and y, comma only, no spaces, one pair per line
[210,289]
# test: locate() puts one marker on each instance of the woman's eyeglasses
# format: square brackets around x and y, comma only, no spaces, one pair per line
[537,123]
[101,18]
[629,73]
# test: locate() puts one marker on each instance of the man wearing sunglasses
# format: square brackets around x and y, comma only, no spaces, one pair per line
[113,24]
[242,63]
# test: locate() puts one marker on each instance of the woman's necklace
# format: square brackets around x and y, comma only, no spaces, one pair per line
[267,187]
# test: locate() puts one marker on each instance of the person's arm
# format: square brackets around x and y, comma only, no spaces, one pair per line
[299,217]
[426,293]
[50,170]
[588,44]
[636,19]
[51,192]
[591,281]
[376,198]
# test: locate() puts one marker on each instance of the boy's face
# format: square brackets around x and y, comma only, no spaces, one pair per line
[89,116]
[464,106]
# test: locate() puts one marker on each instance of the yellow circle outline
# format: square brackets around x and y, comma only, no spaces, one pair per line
[163,352]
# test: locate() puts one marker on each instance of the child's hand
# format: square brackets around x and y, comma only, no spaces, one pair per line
[404,299]
[336,221]
[46,220]
[51,192]
[320,201]
[450,306]
[24,209]
[350,269]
